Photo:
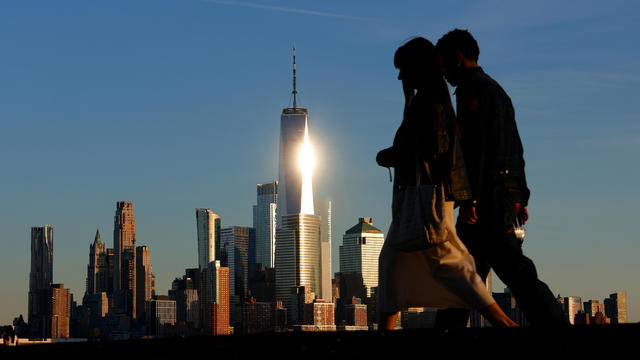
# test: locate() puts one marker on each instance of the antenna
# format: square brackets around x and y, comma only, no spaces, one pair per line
[295,92]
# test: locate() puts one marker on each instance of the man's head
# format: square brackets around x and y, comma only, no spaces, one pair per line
[458,50]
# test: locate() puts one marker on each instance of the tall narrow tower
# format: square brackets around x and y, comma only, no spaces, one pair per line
[97,271]
[124,272]
[293,127]
[265,223]
[40,277]
[208,225]
[298,245]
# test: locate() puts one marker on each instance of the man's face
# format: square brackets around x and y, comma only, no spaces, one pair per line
[451,66]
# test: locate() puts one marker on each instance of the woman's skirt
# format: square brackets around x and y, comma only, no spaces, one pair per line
[441,276]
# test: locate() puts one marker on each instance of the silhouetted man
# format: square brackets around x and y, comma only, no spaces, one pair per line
[493,155]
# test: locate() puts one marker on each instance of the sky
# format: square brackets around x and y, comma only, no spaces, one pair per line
[175,104]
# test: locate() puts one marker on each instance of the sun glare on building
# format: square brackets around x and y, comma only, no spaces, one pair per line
[306,162]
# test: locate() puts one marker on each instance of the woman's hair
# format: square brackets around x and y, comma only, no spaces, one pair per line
[419,55]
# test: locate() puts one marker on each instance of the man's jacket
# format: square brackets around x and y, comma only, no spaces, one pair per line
[490,142]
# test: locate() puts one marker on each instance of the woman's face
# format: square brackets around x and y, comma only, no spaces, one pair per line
[408,77]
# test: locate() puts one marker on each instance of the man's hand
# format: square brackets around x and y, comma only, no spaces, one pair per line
[467,215]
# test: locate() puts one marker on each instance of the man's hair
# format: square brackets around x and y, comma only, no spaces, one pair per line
[458,40]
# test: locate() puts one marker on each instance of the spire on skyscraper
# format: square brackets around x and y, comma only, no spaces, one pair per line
[97,240]
[294,92]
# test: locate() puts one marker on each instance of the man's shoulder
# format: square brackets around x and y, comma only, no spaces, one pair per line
[483,83]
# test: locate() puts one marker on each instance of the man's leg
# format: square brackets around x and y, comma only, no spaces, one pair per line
[472,237]
[518,272]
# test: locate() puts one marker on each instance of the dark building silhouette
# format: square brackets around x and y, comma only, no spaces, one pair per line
[124,243]
[40,278]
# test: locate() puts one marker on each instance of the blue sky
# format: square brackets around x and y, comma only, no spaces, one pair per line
[175,105]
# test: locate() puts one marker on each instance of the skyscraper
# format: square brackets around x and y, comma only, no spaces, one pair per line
[572,304]
[616,307]
[97,270]
[265,223]
[144,277]
[359,252]
[124,242]
[297,257]
[325,250]
[235,240]
[208,225]
[293,132]
[214,299]
[40,277]
[58,311]
[298,234]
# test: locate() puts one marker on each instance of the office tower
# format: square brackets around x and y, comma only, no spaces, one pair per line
[256,317]
[572,305]
[359,252]
[161,312]
[293,157]
[297,257]
[298,248]
[208,225]
[356,312]
[592,307]
[40,277]
[124,271]
[262,284]
[185,293]
[144,277]
[96,307]
[265,224]
[235,241]
[58,311]
[325,250]
[214,299]
[110,260]
[320,313]
[97,270]
[349,286]
[616,307]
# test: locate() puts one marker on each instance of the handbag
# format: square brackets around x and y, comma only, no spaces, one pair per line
[418,221]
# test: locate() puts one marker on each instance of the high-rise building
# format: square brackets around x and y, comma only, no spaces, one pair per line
[144,277]
[298,235]
[124,241]
[97,270]
[297,257]
[214,299]
[161,312]
[40,277]
[265,224]
[235,241]
[325,250]
[616,307]
[592,307]
[291,180]
[208,225]
[256,317]
[184,291]
[58,312]
[572,304]
[359,252]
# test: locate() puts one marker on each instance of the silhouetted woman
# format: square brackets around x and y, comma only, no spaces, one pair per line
[443,275]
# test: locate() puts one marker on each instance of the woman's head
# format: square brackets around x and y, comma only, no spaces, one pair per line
[418,63]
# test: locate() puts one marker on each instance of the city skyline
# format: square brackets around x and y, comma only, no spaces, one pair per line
[109,115]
